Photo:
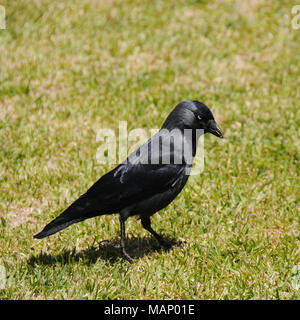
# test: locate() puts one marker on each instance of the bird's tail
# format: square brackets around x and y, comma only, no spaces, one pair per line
[80,210]
[55,226]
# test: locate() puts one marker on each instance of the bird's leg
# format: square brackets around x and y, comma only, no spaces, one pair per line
[146,223]
[123,238]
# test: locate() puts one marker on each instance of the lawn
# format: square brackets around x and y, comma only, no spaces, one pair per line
[71,68]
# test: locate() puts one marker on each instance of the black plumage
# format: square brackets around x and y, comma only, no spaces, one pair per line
[149,179]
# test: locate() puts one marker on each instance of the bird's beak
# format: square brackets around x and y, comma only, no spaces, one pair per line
[213,128]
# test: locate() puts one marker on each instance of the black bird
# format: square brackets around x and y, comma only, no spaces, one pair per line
[149,179]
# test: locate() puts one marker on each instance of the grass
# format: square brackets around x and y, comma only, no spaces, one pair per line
[69,69]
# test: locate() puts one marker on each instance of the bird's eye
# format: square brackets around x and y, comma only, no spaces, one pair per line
[199,118]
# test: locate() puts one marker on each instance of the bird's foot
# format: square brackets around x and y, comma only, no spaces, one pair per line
[127,257]
[118,246]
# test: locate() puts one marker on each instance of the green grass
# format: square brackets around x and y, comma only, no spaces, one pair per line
[70,68]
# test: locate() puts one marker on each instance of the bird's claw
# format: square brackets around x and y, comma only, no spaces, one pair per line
[127,257]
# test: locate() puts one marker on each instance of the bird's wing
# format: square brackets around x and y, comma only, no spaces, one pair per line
[143,174]
[129,183]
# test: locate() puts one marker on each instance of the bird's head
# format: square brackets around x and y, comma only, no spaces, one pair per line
[193,115]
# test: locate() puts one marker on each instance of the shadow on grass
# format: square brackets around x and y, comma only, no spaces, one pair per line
[105,250]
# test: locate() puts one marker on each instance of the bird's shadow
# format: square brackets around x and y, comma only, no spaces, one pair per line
[105,250]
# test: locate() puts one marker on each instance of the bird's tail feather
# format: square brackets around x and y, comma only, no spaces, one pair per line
[55,226]
[80,210]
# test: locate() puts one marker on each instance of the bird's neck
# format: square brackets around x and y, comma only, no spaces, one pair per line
[182,142]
